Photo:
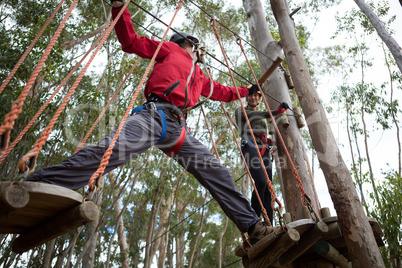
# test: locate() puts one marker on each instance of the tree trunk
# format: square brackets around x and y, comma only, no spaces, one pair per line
[124,249]
[220,258]
[277,87]
[47,258]
[148,247]
[382,32]
[355,227]
[89,256]
[195,242]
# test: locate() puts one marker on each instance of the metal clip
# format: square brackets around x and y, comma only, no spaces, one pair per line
[150,106]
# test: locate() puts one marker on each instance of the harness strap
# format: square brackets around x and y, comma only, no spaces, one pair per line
[162,114]
[178,144]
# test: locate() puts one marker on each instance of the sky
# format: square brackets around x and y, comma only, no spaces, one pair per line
[382,144]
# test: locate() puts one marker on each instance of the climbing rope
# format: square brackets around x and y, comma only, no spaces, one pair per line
[65,80]
[97,176]
[16,108]
[32,155]
[263,210]
[106,107]
[14,70]
[305,197]
[210,134]
[270,186]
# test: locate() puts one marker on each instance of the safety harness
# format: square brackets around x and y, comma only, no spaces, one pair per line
[157,104]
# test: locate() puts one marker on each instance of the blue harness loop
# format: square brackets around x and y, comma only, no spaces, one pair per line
[152,106]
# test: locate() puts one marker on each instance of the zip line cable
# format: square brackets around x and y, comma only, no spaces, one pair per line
[212,56]
[186,218]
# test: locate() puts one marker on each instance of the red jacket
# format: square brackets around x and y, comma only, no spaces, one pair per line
[172,64]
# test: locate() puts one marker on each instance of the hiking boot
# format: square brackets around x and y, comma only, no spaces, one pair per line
[258,231]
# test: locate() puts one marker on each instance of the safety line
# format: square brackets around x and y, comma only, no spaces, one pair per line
[186,218]
[105,159]
[15,142]
[274,197]
[305,196]
[32,155]
[16,108]
[14,70]
[106,107]
[212,56]
[263,210]
[210,134]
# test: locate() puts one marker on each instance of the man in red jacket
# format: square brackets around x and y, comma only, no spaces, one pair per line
[175,83]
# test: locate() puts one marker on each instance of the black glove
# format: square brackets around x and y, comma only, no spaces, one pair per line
[282,108]
[254,89]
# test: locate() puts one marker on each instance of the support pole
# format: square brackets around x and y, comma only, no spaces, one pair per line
[273,252]
[308,240]
[332,254]
[270,70]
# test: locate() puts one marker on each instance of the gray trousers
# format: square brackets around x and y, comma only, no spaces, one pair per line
[140,132]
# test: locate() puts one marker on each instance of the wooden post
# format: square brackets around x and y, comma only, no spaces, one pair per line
[284,120]
[274,251]
[261,245]
[289,81]
[325,213]
[306,213]
[270,70]
[308,240]
[13,197]
[330,253]
[54,227]
[287,217]
[299,118]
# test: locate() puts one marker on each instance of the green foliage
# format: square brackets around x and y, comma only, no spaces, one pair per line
[388,214]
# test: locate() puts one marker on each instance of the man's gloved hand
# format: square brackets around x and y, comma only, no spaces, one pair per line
[282,108]
[252,89]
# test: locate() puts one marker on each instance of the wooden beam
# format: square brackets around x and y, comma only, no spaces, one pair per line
[274,251]
[270,70]
[13,197]
[330,253]
[261,245]
[325,213]
[307,240]
[54,227]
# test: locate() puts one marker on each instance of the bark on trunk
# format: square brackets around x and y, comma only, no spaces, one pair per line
[355,227]
[48,253]
[89,256]
[389,41]
[221,243]
[124,248]
[277,87]
[195,242]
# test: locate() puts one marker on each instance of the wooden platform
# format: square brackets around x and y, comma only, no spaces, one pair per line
[41,212]
[306,242]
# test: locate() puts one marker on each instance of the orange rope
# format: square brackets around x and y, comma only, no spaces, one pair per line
[105,159]
[210,134]
[270,187]
[14,70]
[32,155]
[263,210]
[305,196]
[16,108]
[106,107]
[15,142]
